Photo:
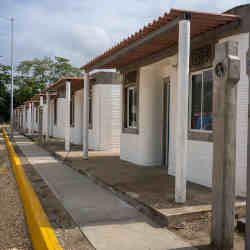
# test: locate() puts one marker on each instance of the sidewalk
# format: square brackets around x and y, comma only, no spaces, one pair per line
[107,221]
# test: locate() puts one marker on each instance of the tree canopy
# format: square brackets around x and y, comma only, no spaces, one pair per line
[31,77]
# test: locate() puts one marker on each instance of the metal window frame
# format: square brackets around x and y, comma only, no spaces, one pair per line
[202,100]
[133,88]
[125,85]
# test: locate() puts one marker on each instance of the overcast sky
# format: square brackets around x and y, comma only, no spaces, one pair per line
[82,29]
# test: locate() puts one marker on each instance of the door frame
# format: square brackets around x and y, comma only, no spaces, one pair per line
[165,121]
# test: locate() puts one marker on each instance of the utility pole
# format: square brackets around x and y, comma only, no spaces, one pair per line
[226,77]
[11,20]
[12,77]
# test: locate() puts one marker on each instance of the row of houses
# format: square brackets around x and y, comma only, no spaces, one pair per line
[48,111]
[157,108]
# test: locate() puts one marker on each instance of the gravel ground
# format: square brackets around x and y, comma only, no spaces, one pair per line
[68,233]
[13,228]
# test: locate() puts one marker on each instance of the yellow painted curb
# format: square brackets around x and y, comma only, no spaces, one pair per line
[42,234]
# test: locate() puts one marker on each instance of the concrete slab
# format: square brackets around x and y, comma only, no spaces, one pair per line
[133,235]
[108,222]
[194,209]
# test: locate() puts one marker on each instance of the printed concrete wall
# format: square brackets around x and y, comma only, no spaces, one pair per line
[106,130]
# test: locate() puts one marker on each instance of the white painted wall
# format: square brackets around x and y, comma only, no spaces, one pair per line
[58,128]
[145,148]
[76,131]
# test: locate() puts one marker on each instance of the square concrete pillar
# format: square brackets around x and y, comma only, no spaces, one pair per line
[32,118]
[67,117]
[226,75]
[85,115]
[29,119]
[24,119]
[47,116]
[182,110]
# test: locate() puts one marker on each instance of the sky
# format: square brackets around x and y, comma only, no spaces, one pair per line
[82,29]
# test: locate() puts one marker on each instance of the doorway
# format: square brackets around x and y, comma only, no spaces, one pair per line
[165,127]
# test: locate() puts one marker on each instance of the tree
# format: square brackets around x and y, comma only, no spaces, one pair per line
[32,76]
[35,75]
[4,92]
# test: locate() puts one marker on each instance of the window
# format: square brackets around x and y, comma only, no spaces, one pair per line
[130,102]
[201,100]
[131,107]
[72,111]
[55,111]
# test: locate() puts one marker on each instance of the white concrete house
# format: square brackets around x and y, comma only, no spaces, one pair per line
[160,64]
[104,111]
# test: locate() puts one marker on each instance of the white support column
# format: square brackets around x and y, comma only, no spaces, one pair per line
[24,118]
[41,100]
[67,117]
[39,118]
[85,115]
[32,118]
[182,110]
[29,119]
[47,116]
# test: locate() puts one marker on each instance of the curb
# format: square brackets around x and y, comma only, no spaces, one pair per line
[42,234]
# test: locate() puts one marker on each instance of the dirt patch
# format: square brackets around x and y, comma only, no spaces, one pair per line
[197,232]
[150,185]
[13,227]
[66,229]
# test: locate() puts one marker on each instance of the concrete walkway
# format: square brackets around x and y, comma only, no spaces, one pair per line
[108,222]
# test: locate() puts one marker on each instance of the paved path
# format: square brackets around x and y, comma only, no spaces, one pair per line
[108,222]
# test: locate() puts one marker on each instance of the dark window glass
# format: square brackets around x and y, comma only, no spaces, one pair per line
[132,107]
[196,101]
[207,100]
